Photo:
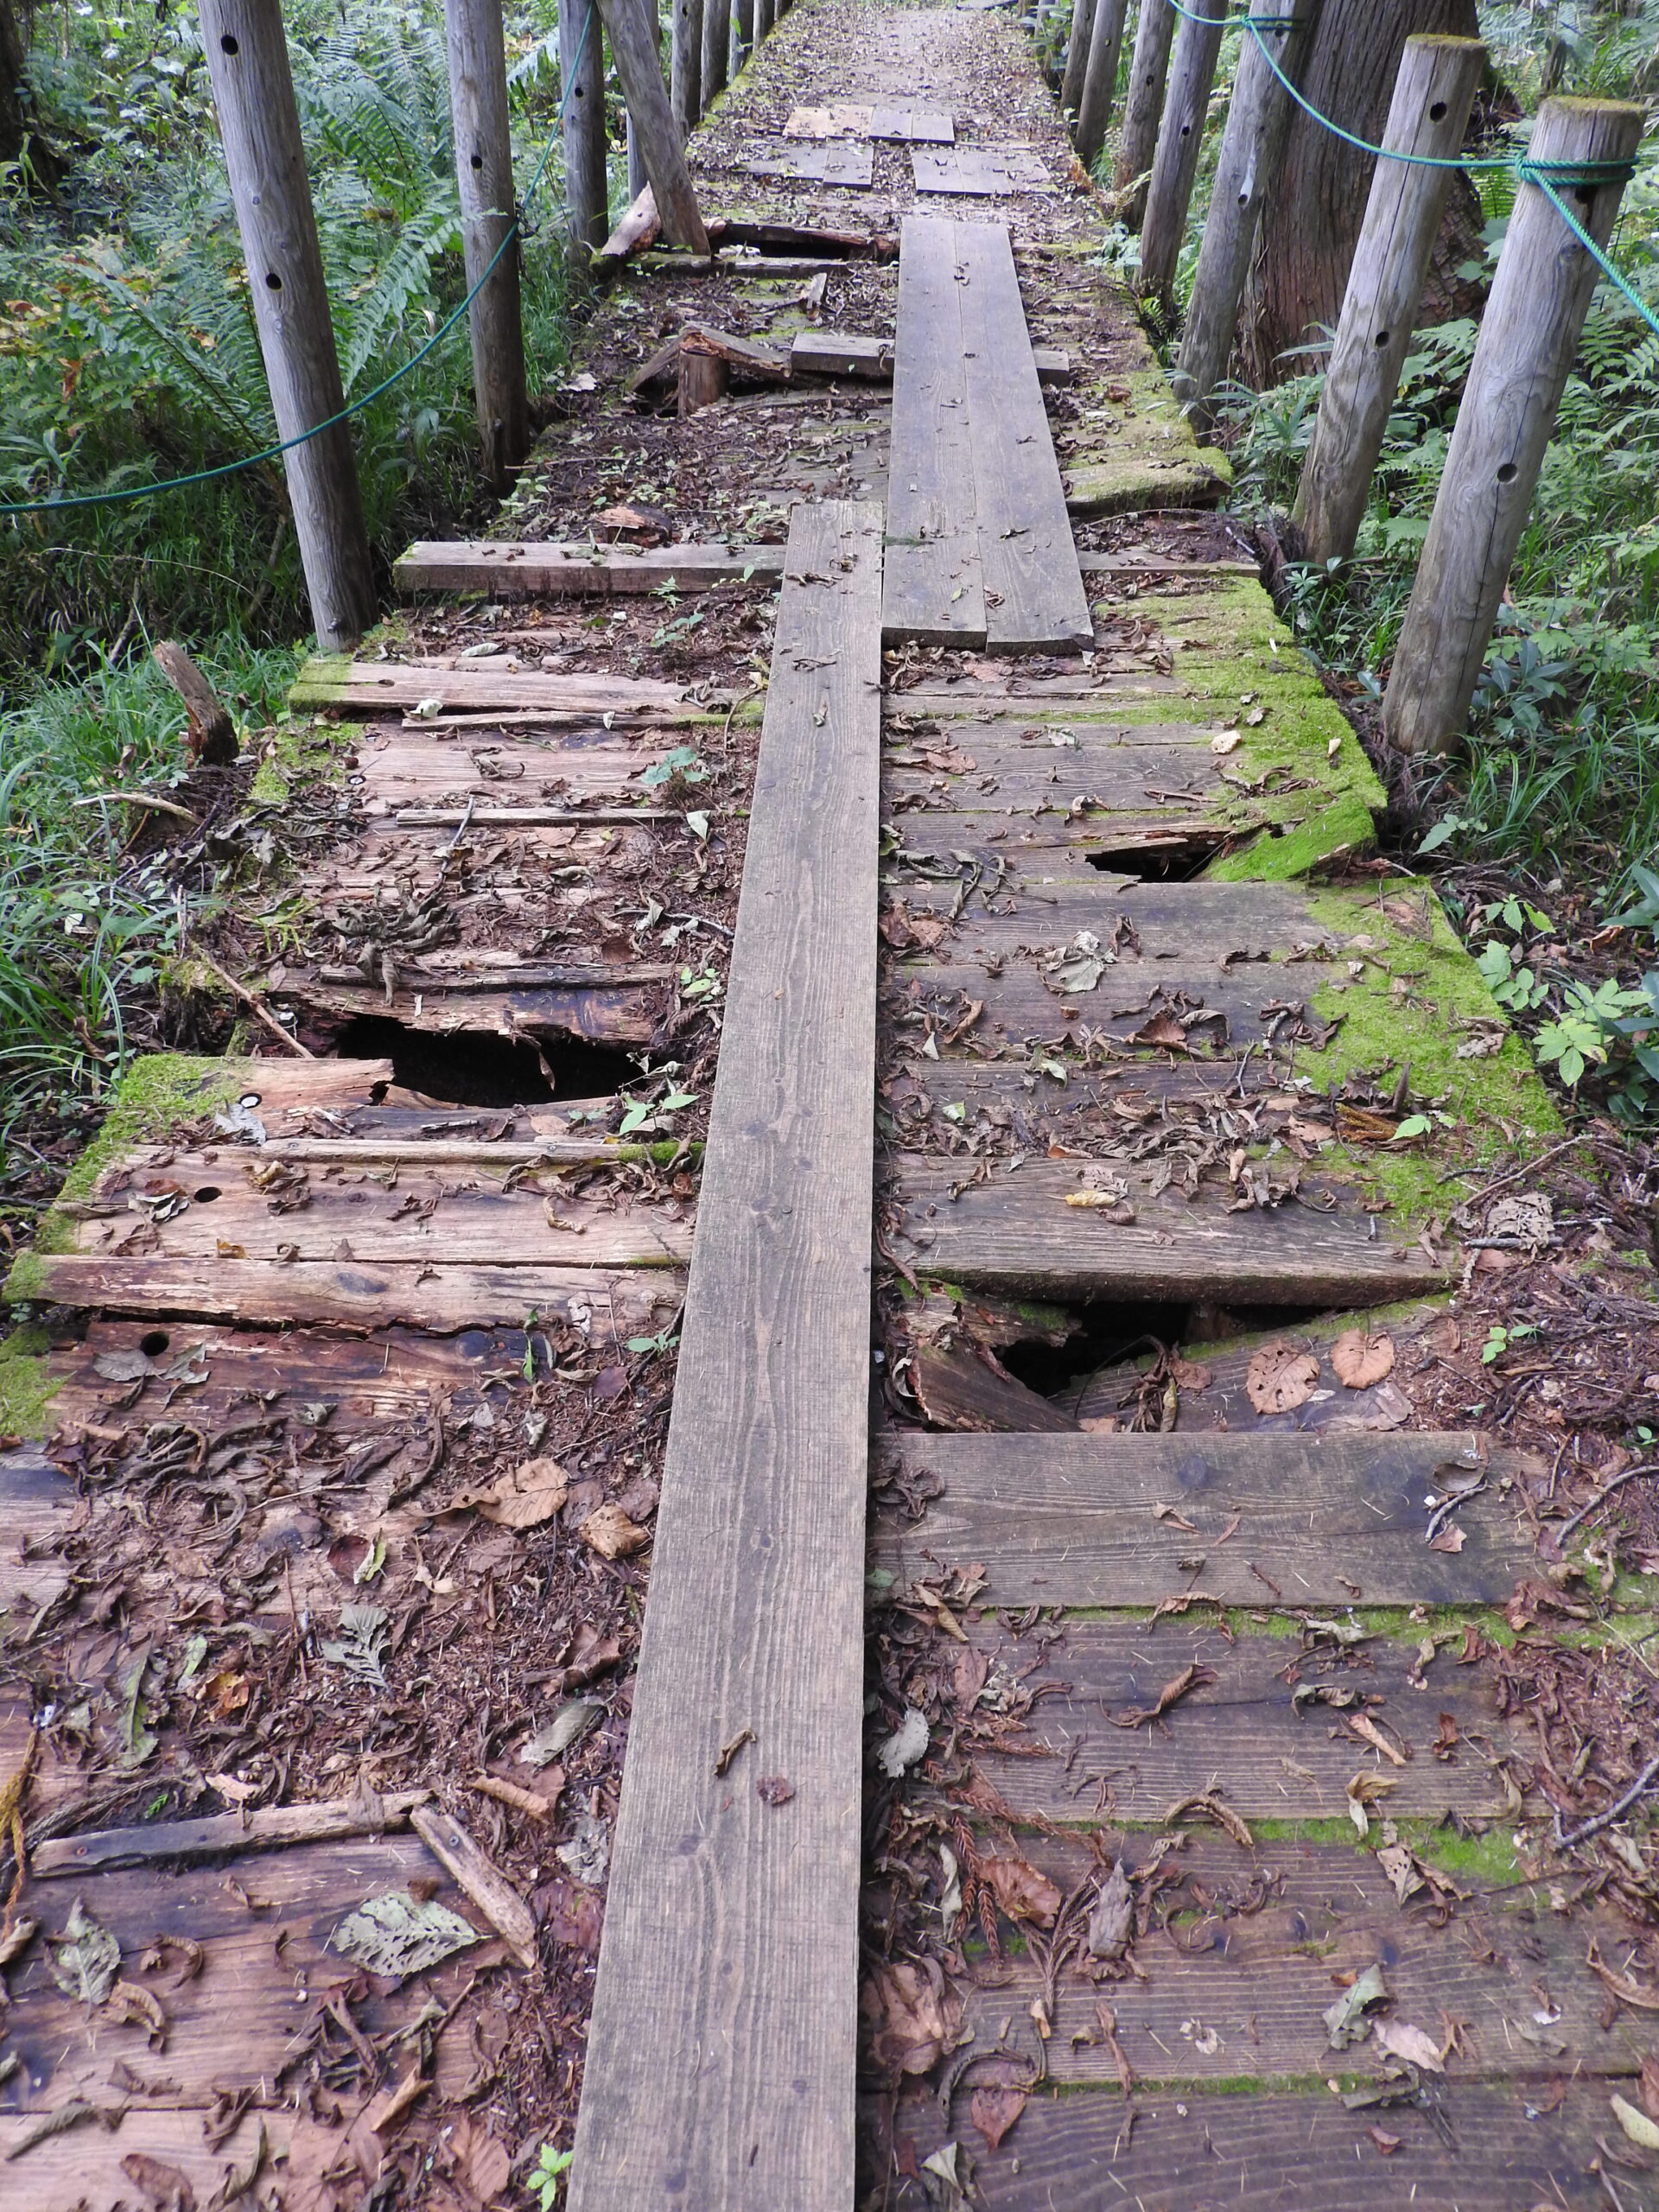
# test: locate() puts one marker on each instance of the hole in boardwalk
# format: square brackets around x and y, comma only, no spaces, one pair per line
[153,1344]
[1175,862]
[1096,1360]
[476,1067]
[206,1195]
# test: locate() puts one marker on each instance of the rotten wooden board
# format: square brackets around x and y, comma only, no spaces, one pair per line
[626,1017]
[832,162]
[1337,1520]
[933,590]
[358,687]
[436,1294]
[534,568]
[36,1503]
[1015,1233]
[1266,2152]
[1034,597]
[1258,1944]
[1243,1734]
[840,353]
[980,172]
[721,2060]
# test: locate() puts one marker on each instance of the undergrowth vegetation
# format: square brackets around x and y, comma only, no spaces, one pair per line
[128,356]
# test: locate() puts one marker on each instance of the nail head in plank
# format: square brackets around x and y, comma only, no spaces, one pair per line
[932,592]
[720,2058]
[1084,1520]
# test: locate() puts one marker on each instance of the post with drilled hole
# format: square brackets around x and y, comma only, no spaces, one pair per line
[1077,55]
[489,235]
[1247,168]
[685,64]
[1143,106]
[582,74]
[1529,334]
[1432,93]
[264,157]
[1180,136]
[1099,80]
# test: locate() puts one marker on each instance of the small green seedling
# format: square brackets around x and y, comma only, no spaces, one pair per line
[551,2168]
[1498,1340]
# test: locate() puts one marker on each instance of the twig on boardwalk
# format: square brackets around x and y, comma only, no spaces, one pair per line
[1630,1475]
[1638,1789]
[255,1006]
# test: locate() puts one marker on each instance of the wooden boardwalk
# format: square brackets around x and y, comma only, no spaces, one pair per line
[1074,1756]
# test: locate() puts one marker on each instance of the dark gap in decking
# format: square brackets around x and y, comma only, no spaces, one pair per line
[1106,1333]
[477,1067]
[1165,862]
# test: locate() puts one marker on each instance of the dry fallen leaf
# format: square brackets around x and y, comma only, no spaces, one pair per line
[523,1497]
[1365,1793]
[1021,1890]
[1192,1677]
[1636,2124]
[1358,1359]
[1280,1378]
[994,2113]
[918,2013]
[1401,2040]
[1386,2144]
[1111,1918]
[609,1530]
[1450,1539]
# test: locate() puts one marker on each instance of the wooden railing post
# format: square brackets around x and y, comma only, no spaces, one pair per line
[637,178]
[1077,55]
[581,75]
[765,17]
[685,66]
[639,64]
[1099,80]
[1247,168]
[478,106]
[1529,334]
[259,125]
[1143,108]
[743,20]
[1180,136]
[716,50]
[1432,93]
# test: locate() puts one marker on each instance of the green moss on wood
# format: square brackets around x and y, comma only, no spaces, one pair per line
[26,1385]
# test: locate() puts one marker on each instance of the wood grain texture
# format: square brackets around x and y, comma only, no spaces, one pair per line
[1264,2152]
[1385,289]
[529,570]
[1095,1519]
[720,2065]
[979,171]
[1528,335]
[933,589]
[1034,596]
[366,687]
[1273,1762]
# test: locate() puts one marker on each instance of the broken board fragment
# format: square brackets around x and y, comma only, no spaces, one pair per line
[528,569]
[981,172]
[832,162]
[847,119]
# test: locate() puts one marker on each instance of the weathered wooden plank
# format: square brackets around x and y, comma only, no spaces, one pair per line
[915,126]
[37,1501]
[369,686]
[531,569]
[414,768]
[434,1294]
[721,2057]
[855,119]
[1264,2152]
[603,1017]
[980,172]
[1097,1520]
[1033,590]
[840,353]
[831,163]
[96,1851]
[1242,1733]
[1016,1233]
[933,590]
[1240,1984]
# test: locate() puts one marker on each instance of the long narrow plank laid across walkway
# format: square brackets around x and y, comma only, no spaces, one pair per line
[720,2067]
[980,548]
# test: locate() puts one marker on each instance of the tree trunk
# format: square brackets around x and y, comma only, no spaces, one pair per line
[18,141]
[1310,225]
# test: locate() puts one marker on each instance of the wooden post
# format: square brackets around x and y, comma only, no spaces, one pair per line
[581,71]
[637,178]
[716,50]
[477,105]
[685,68]
[1192,72]
[1252,152]
[743,23]
[766,20]
[1529,334]
[1137,141]
[1099,80]
[260,124]
[1077,55]
[1432,93]
[633,49]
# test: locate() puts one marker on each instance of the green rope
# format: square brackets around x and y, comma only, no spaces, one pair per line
[353,407]
[1545,176]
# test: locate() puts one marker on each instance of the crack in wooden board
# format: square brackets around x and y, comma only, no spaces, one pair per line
[1079,1520]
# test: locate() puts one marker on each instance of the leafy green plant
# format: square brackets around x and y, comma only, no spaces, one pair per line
[549,2173]
[1499,1338]
[1592,1019]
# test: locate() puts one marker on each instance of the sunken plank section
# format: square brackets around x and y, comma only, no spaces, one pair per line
[1077,1520]
[514,570]
[836,162]
[720,2065]
[933,590]
[980,548]
[979,171]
